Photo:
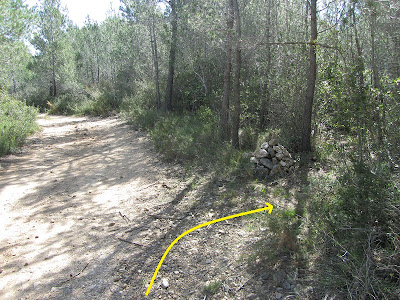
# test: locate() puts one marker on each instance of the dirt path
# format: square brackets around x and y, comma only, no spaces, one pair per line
[65,203]
[87,210]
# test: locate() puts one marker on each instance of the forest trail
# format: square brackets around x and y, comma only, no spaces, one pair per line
[87,210]
[67,202]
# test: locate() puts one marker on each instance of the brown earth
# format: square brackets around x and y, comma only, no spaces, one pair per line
[87,210]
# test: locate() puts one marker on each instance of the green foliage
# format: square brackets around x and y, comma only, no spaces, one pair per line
[355,226]
[139,109]
[187,137]
[17,122]
[212,288]
[91,102]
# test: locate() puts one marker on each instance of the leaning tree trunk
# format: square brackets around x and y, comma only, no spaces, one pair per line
[236,83]
[172,52]
[312,77]
[227,74]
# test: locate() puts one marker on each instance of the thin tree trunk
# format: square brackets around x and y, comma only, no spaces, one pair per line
[54,85]
[155,62]
[227,73]
[172,54]
[236,85]
[266,92]
[375,79]
[312,77]
[361,89]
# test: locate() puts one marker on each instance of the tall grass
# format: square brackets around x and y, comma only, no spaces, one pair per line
[17,122]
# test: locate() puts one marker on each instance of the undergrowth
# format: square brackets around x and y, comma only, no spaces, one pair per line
[189,138]
[92,101]
[354,231]
[17,122]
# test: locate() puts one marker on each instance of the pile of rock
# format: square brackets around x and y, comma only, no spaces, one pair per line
[272,159]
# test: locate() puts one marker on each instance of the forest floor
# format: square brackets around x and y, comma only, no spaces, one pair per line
[87,209]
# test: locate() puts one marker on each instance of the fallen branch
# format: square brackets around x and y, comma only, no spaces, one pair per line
[124,217]
[76,275]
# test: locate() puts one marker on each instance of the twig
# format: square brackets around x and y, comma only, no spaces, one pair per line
[125,218]
[164,217]
[76,275]
[129,242]
[242,285]
[230,224]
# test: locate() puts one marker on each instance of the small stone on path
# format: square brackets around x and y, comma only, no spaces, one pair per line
[165,283]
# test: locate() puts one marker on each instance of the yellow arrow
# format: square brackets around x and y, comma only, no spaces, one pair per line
[268,208]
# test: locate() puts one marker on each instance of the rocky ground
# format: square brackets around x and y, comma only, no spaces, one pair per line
[88,208]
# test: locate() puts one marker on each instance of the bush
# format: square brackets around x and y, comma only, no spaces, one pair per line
[187,137]
[139,113]
[90,102]
[17,122]
[356,228]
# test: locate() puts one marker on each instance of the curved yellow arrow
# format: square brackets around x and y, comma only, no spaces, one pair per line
[268,208]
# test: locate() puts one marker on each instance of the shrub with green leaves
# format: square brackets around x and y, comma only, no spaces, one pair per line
[188,137]
[91,102]
[17,122]
[357,228]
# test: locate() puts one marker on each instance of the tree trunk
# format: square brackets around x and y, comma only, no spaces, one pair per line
[170,82]
[54,85]
[375,80]
[361,93]
[227,73]
[312,77]
[236,85]
[155,62]
[265,91]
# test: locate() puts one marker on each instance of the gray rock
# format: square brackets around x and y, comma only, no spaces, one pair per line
[285,152]
[271,152]
[267,163]
[277,148]
[286,285]
[275,161]
[254,160]
[275,170]
[251,296]
[265,146]
[261,172]
[273,142]
[278,295]
[260,153]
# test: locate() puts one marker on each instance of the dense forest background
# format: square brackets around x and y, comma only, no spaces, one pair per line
[211,79]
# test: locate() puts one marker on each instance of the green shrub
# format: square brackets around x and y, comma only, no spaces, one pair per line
[139,113]
[355,226]
[17,122]
[90,102]
[187,137]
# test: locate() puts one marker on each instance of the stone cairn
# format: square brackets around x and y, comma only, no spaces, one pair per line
[272,159]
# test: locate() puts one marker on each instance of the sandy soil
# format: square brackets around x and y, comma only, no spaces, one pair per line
[87,210]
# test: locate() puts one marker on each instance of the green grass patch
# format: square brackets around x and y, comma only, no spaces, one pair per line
[212,288]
